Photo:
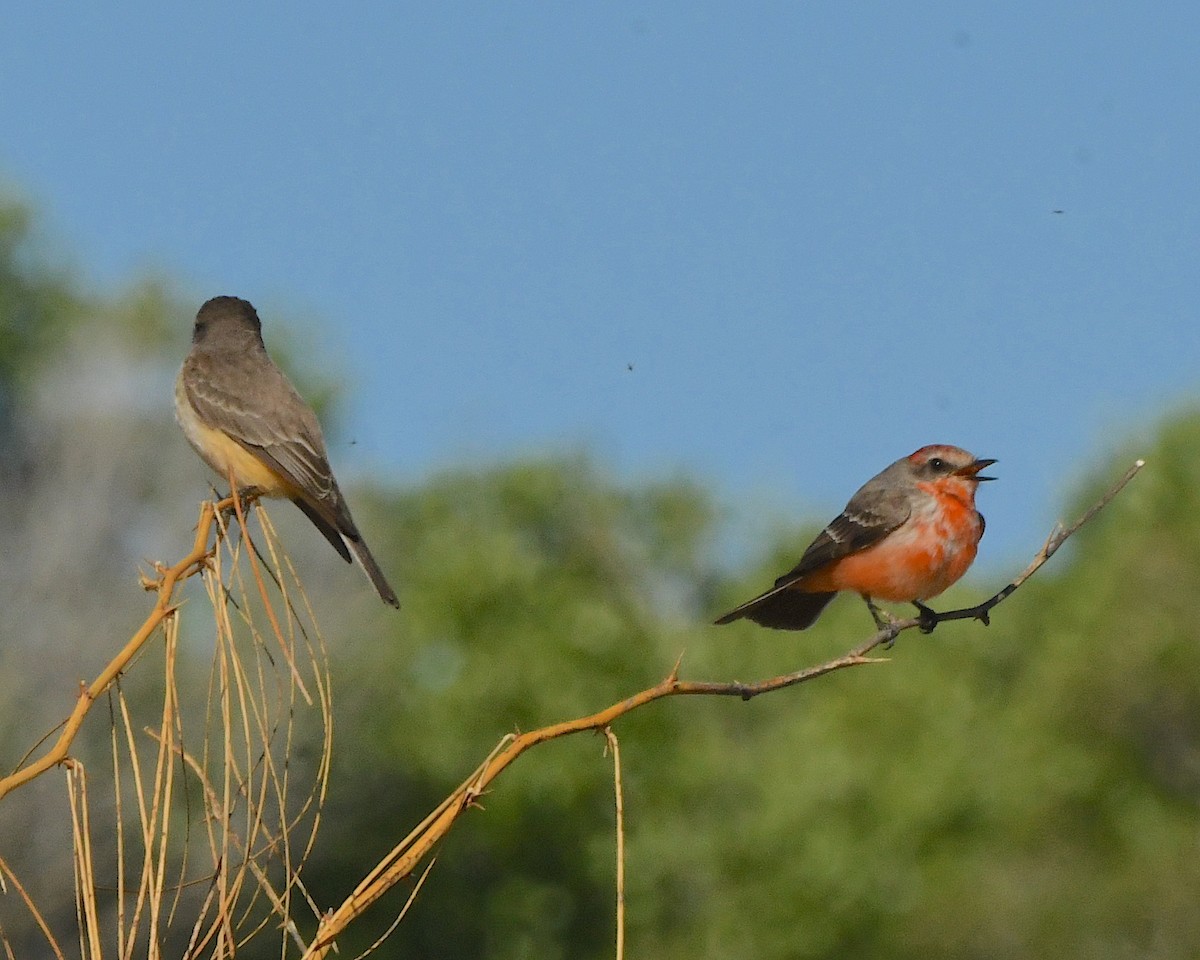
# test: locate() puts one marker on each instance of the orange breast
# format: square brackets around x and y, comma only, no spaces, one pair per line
[922,558]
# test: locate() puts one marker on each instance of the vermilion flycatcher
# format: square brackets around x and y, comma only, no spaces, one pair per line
[905,536]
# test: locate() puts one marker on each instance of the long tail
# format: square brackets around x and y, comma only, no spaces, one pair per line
[353,539]
[781,608]
[378,580]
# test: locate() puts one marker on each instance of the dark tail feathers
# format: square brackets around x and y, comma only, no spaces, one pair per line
[781,608]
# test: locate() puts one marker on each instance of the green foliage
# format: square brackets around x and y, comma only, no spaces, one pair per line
[37,303]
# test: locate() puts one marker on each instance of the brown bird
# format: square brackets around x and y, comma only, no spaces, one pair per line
[246,420]
[905,536]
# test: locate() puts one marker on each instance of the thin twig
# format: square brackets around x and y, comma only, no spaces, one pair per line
[615,746]
[403,911]
[262,589]
[10,877]
[1058,536]
[163,608]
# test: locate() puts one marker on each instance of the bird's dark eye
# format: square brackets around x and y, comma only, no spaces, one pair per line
[937,463]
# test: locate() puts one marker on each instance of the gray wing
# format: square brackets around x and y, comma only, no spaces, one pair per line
[870,516]
[866,520]
[277,426]
[280,429]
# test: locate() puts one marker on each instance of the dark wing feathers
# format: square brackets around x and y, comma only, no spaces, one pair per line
[854,529]
[285,435]
[328,531]
[870,515]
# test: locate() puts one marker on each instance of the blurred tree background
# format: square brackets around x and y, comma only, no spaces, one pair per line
[1028,789]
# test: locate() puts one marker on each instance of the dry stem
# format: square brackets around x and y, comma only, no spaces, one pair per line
[163,608]
[251,822]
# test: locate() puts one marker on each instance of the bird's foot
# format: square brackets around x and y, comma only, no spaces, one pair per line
[928,618]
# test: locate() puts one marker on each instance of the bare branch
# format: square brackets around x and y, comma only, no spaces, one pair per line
[614,745]
[163,608]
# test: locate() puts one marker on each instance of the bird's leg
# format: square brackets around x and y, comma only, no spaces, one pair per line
[884,622]
[244,500]
[234,493]
[246,497]
[928,617]
[236,496]
[882,619]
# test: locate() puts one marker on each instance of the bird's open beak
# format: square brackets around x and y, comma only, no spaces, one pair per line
[972,470]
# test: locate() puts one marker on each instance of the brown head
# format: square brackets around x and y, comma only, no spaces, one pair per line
[227,322]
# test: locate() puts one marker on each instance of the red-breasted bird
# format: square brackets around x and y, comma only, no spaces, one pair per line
[905,536]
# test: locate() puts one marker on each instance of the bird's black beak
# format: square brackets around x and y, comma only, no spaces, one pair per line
[972,469]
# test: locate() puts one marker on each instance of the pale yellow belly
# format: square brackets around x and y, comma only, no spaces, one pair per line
[225,455]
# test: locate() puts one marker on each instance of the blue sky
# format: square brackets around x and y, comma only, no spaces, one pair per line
[823,234]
